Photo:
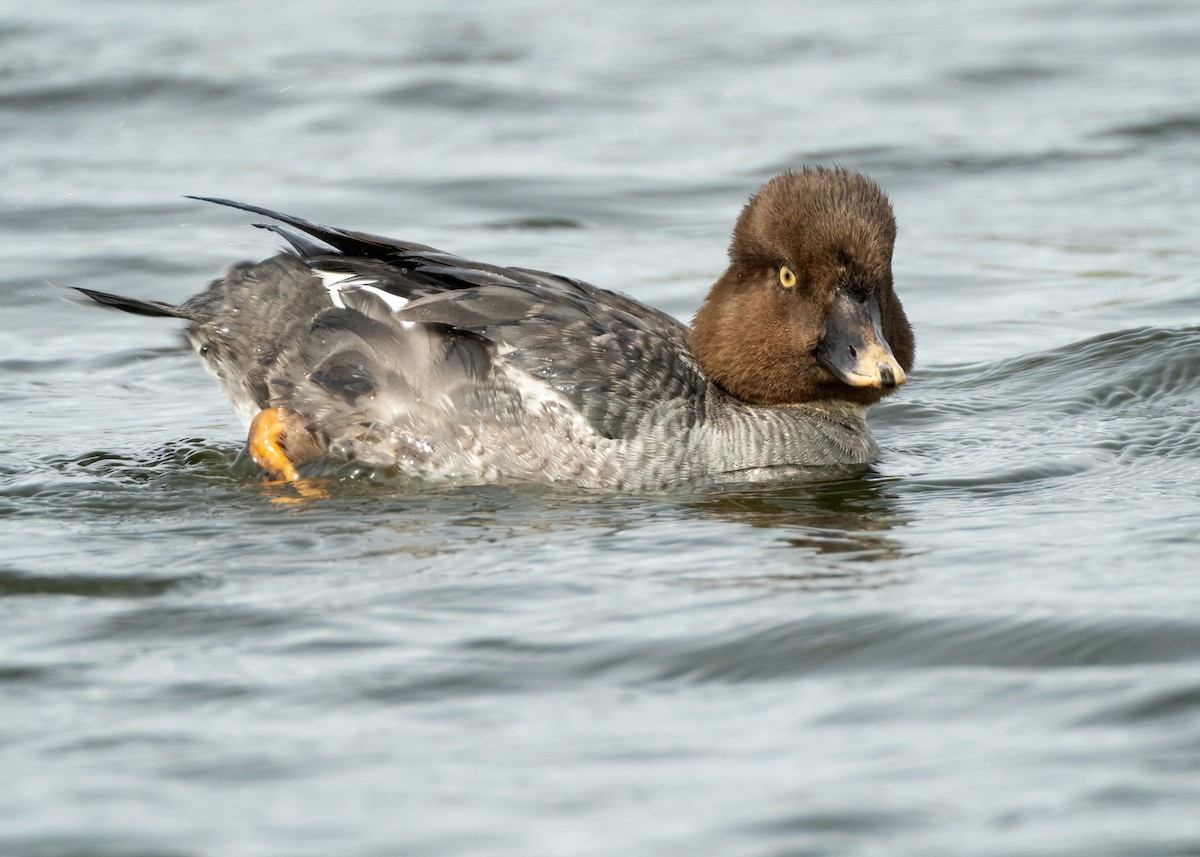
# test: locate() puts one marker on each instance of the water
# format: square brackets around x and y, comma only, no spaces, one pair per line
[987,645]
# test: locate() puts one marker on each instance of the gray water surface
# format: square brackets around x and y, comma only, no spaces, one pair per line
[988,644]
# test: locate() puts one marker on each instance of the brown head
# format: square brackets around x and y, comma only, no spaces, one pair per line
[806,311]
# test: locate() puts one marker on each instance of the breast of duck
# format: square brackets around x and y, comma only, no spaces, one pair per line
[352,349]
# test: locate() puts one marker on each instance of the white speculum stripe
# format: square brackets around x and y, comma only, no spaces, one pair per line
[337,281]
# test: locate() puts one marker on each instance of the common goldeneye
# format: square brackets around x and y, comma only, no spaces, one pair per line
[407,360]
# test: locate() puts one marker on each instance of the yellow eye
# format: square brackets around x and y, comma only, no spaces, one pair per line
[787,277]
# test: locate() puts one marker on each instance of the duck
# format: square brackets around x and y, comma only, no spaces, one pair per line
[351,350]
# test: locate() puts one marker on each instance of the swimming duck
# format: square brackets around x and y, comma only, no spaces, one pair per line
[400,358]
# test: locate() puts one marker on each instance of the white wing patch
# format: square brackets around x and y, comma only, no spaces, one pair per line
[542,401]
[336,281]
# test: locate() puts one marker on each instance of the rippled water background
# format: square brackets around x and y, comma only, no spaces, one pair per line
[988,645]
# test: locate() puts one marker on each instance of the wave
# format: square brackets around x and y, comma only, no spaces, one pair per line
[1128,394]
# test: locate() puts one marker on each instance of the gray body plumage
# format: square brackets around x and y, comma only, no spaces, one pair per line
[407,359]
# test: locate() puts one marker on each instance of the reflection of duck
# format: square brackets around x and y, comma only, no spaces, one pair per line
[395,355]
[845,517]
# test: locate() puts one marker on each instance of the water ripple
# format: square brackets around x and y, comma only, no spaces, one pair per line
[888,642]
[89,585]
[1172,703]
[120,91]
[1129,394]
[884,643]
[1185,125]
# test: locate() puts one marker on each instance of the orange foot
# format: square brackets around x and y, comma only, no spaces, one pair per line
[277,438]
[268,433]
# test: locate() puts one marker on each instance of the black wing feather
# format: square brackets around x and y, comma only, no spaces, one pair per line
[350,243]
[133,305]
[304,248]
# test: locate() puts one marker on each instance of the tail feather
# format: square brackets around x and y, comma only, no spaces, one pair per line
[133,305]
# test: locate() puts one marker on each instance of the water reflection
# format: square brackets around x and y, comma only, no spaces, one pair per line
[841,522]
[839,515]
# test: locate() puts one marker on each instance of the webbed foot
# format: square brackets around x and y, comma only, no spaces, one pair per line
[278,440]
